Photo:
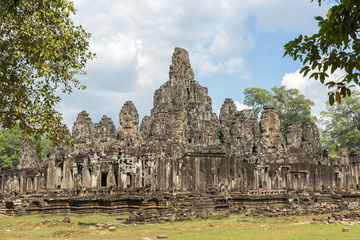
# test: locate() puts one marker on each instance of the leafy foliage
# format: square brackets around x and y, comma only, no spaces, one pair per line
[335,46]
[10,144]
[290,104]
[41,51]
[10,141]
[342,123]
[256,98]
[43,146]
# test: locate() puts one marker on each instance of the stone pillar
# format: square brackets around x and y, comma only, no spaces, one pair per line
[22,181]
[85,174]
[51,181]
[196,174]
[65,173]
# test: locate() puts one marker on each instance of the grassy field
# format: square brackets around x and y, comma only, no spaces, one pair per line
[294,227]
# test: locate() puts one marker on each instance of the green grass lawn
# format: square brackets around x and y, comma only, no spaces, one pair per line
[293,227]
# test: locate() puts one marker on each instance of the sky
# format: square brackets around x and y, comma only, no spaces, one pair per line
[232,44]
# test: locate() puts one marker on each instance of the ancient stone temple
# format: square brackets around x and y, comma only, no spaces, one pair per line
[183,147]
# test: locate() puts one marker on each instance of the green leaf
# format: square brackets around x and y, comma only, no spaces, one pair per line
[343,91]
[348,92]
[322,78]
[333,68]
[331,98]
[328,15]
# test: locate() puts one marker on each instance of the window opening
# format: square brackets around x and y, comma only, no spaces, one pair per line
[104,179]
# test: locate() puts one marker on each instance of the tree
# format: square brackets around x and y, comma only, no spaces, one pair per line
[290,104]
[43,146]
[256,98]
[335,46]
[342,123]
[41,51]
[10,144]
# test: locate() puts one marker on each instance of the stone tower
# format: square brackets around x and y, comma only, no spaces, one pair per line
[182,111]
[28,157]
[128,132]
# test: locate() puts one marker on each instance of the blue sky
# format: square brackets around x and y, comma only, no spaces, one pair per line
[233,44]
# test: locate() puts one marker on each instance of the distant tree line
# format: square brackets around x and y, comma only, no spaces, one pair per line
[342,124]
[341,121]
[10,143]
[291,105]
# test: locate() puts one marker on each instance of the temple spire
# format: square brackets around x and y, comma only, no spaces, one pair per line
[180,69]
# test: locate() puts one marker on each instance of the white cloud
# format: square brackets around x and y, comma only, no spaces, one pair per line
[240,106]
[134,41]
[237,65]
[311,88]
[287,14]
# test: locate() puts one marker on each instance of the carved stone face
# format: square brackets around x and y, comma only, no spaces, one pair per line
[129,116]
[28,155]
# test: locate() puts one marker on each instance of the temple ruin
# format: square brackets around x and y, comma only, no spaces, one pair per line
[182,148]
